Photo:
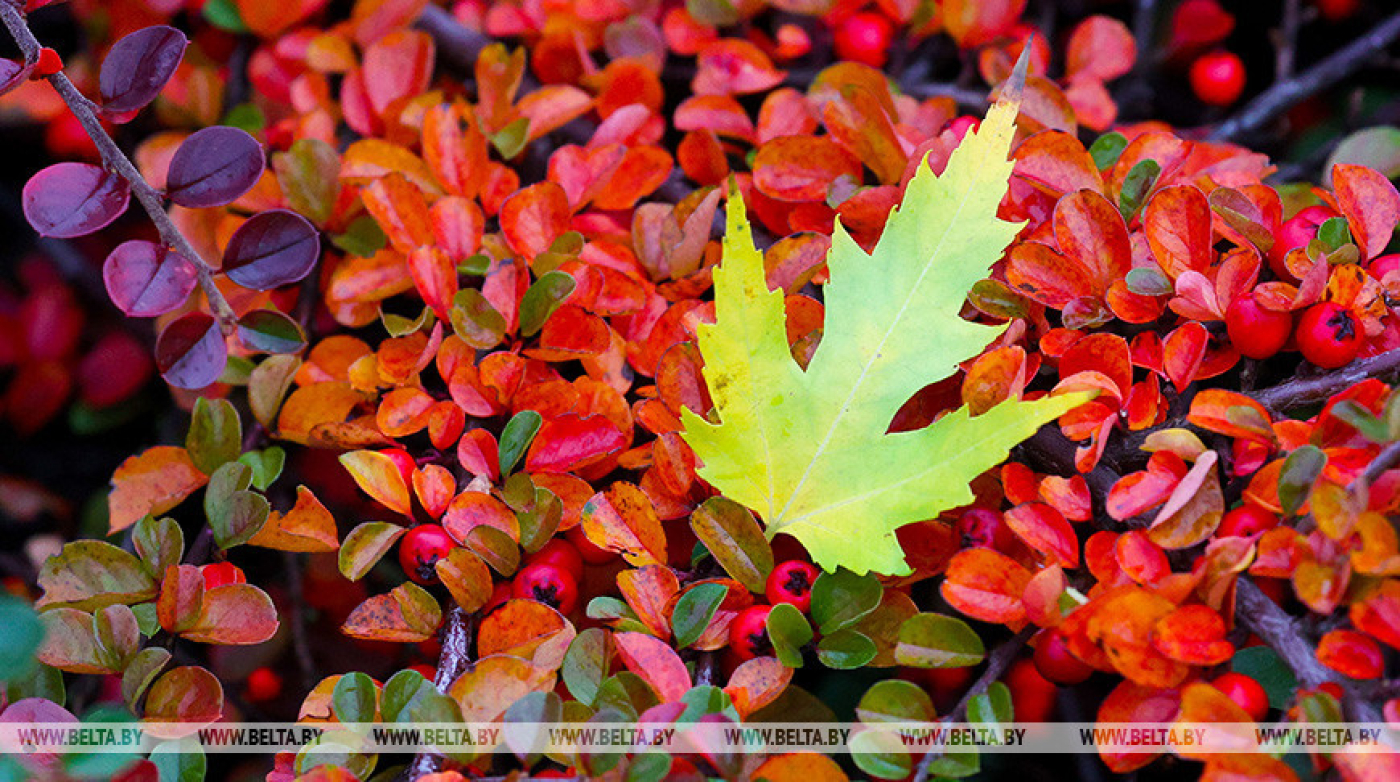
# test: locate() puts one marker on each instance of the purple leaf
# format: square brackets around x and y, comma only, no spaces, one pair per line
[12,74]
[270,331]
[191,352]
[145,279]
[213,167]
[73,199]
[138,66]
[272,248]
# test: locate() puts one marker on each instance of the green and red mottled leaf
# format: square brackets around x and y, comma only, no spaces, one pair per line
[408,613]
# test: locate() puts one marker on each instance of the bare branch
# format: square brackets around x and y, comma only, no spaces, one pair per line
[1296,393]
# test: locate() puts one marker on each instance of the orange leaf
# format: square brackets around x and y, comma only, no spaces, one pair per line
[656,663]
[1123,624]
[233,614]
[622,519]
[528,629]
[269,19]
[472,509]
[1178,228]
[189,694]
[455,149]
[315,404]
[407,614]
[800,767]
[434,486]
[757,683]
[1371,205]
[986,585]
[492,684]
[801,168]
[403,411]
[1045,530]
[649,590]
[308,526]
[731,66]
[151,482]
[1100,47]
[379,477]
[435,276]
[1193,634]
[1350,653]
[534,217]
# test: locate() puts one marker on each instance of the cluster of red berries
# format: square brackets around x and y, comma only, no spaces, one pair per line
[1327,334]
[790,582]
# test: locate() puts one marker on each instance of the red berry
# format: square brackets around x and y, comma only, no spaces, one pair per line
[1246,520]
[549,584]
[1296,231]
[1256,331]
[591,553]
[985,528]
[865,38]
[560,553]
[1217,78]
[420,550]
[791,582]
[1382,265]
[1329,335]
[426,671]
[404,461]
[499,594]
[748,634]
[946,685]
[218,574]
[1337,10]
[1032,695]
[1055,662]
[1331,688]
[264,684]
[1247,693]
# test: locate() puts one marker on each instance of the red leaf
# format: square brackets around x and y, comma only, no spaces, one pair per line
[1371,205]
[534,217]
[656,662]
[570,442]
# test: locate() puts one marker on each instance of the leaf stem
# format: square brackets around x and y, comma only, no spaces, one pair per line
[116,160]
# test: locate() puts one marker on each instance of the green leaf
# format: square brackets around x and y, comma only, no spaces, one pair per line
[141,671]
[1362,420]
[992,706]
[788,631]
[510,140]
[881,755]
[1300,471]
[732,536]
[542,299]
[1265,666]
[182,760]
[399,691]
[224,15]
[235,514]
[808,450]
[266,465]
[1377,148]
[586,663]
[693,612]
[840,599]
[1106,149]
[516,437]
[938,641]
[1136,185]
[21,637]
[309,173]
[90,574]
[845,650]
[362,238]
[354,697]
[159,542]
[366,545]
[216,434]
[895,700]
[269,331]
[475,320]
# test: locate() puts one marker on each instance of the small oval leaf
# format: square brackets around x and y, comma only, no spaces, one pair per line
[191,352]
[273,248]
[145,279]
[270,331]
[213,167]
[138,66]
[73,199]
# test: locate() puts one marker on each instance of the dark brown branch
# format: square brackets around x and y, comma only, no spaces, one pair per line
[116,160]
[1286,39]
[997,662]
[452,662]
[1387,459]
[1296,393]
[457,44]
[1287,93]
[301,643]
[1284,634]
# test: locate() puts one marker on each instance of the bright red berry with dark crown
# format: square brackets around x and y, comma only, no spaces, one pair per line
[748,634]
[1256,331]
[548,583]
[421,548]
[791,582]
[1329,335]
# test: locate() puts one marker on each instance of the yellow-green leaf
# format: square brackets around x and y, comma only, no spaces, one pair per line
[808,451]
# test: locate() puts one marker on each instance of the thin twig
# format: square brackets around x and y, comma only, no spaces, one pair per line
[1296,393]
[301,643]
[1287,93]
[116,160]
[452,662]
[1284,634]
[1286,42]
[455,42]
[997,662]
[1388,458]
